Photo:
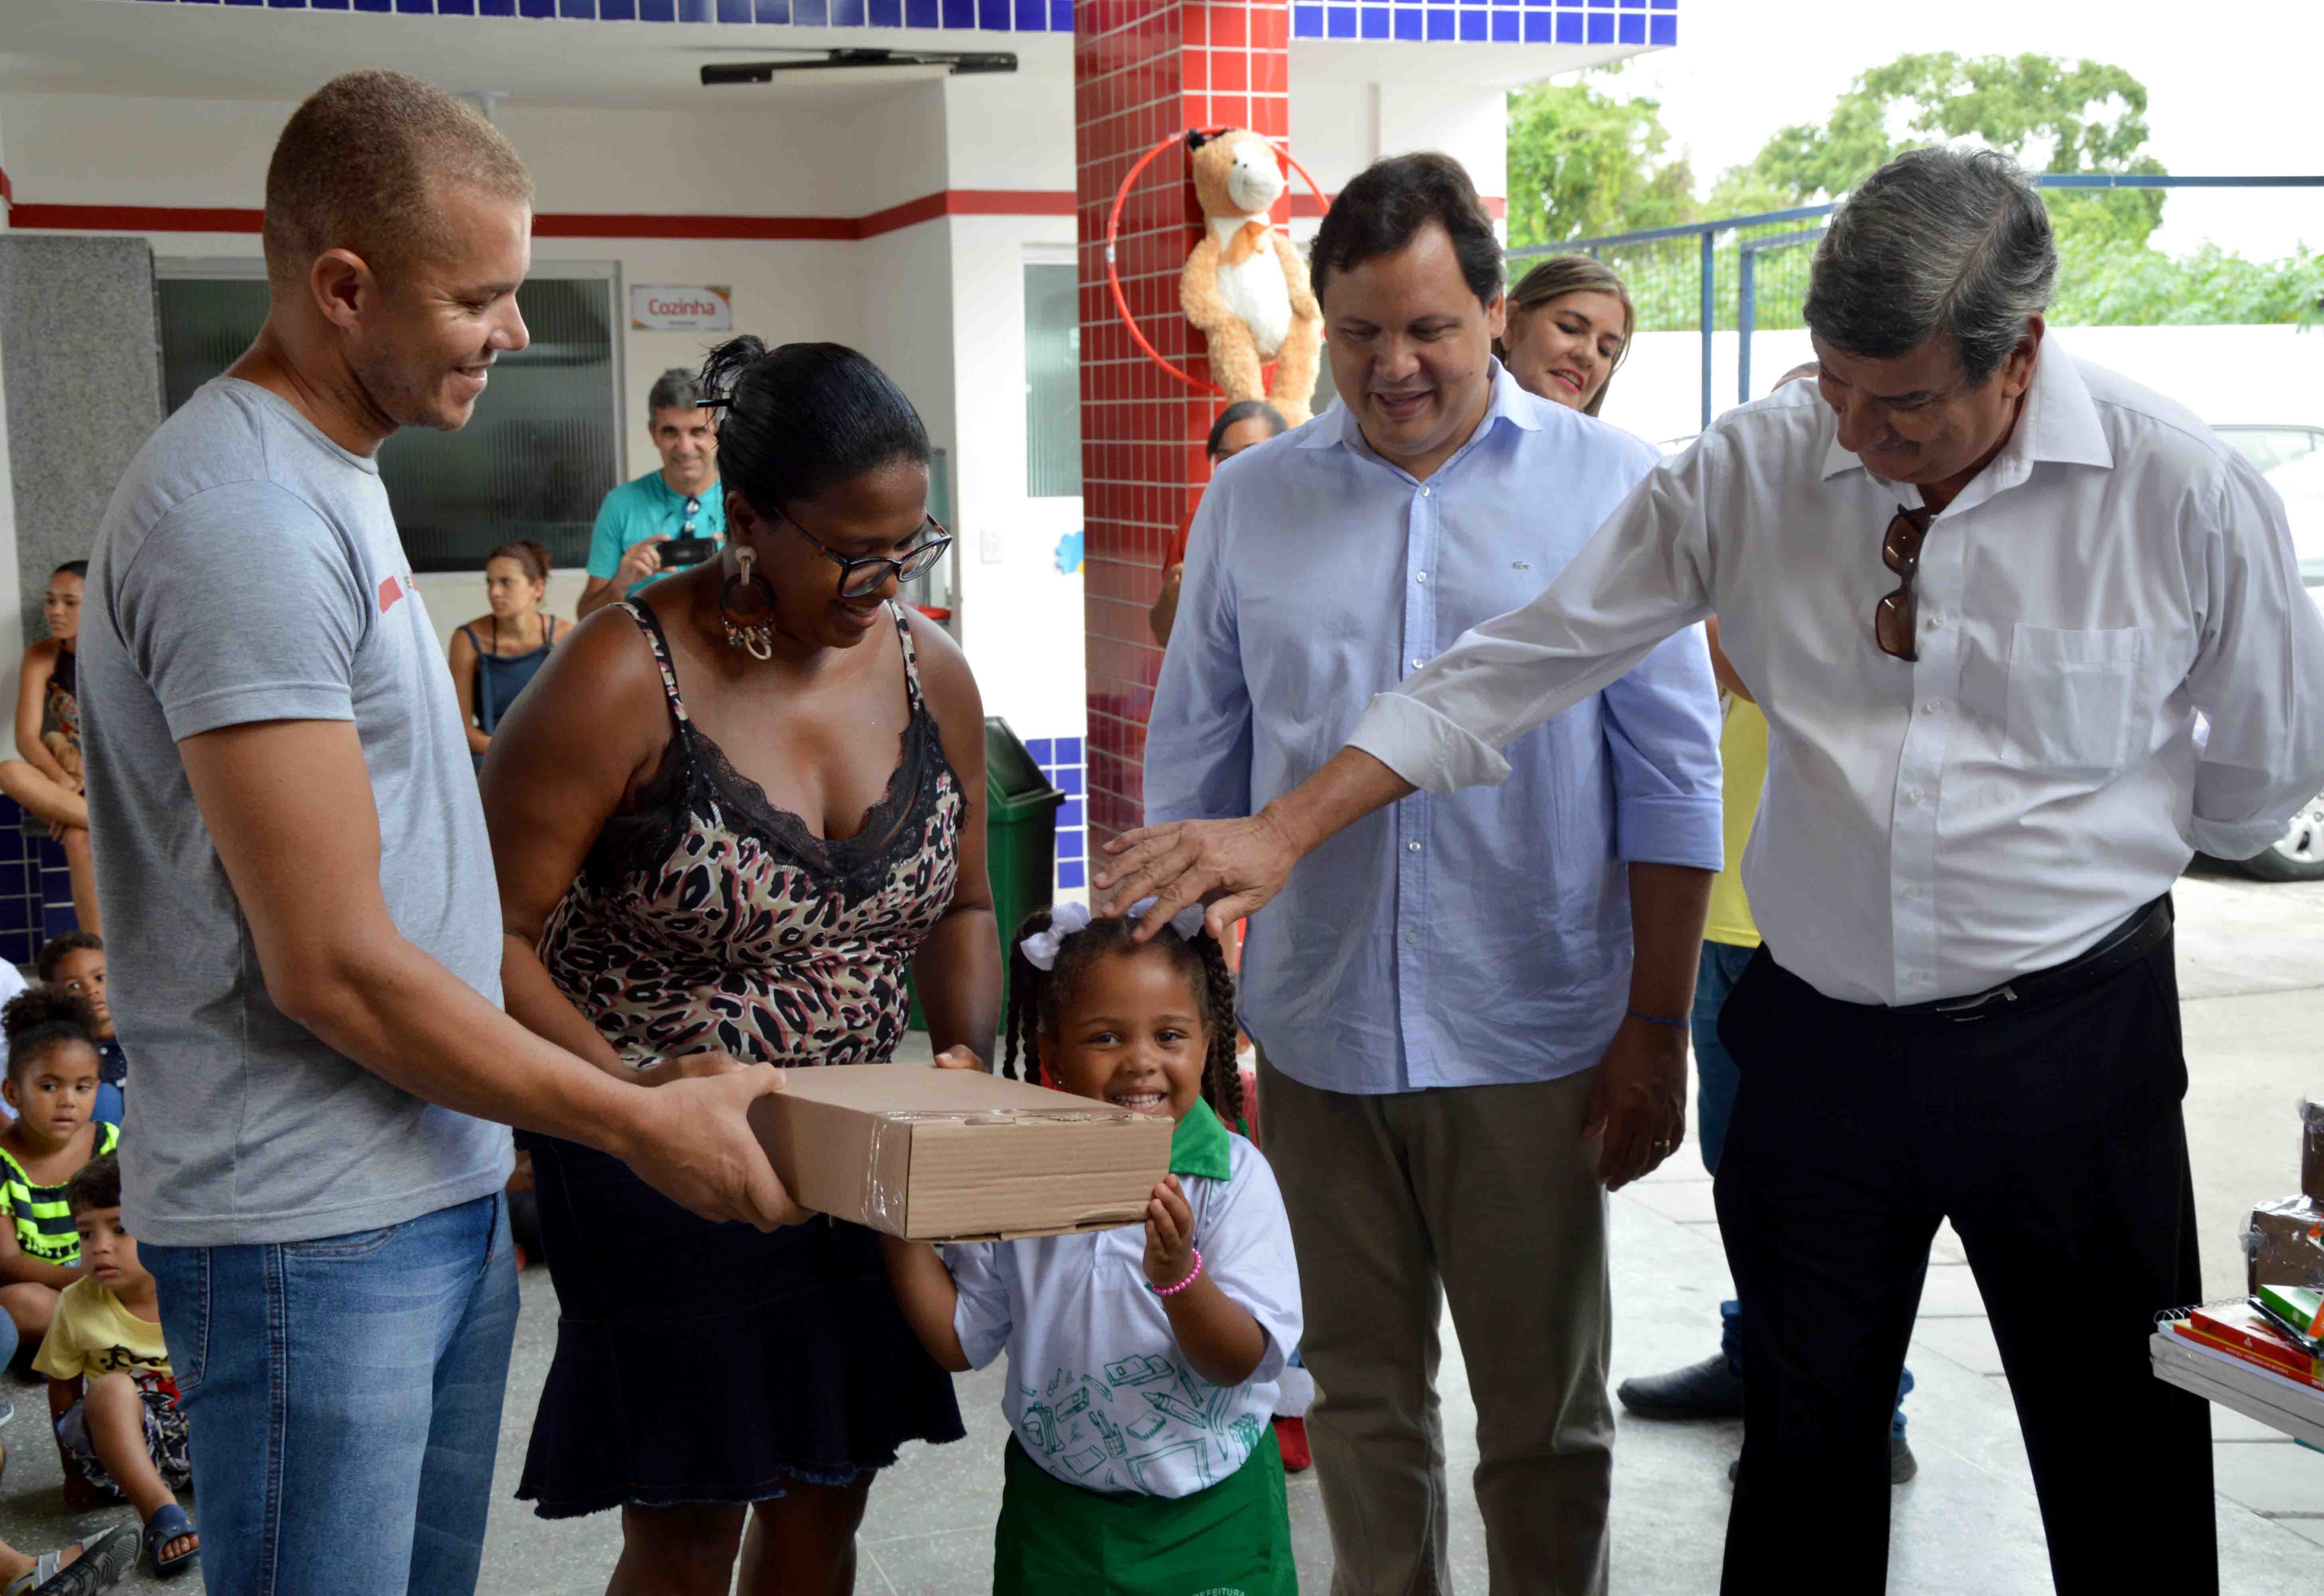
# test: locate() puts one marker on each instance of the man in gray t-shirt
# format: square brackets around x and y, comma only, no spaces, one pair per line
[250,571]
[304,930]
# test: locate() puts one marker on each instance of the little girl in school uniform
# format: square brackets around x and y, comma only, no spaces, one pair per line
[1144,1365]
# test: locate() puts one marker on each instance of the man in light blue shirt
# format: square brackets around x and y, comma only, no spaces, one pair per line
[681,498]
[1470,1010]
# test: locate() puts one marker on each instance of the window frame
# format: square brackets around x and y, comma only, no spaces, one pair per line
[1031,255]
[241,268]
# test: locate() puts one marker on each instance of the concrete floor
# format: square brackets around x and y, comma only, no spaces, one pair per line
[2252,974]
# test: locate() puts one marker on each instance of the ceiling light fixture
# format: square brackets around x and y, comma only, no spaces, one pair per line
[955,62]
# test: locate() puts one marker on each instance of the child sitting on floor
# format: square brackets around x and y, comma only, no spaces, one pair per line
[111,1392]
[1143,1364]
[51,1084]
[76,962]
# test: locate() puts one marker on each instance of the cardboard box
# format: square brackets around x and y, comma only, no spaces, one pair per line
[2285,1243]
[934,1155]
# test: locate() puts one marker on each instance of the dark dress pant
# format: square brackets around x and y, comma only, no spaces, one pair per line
[2051,1135]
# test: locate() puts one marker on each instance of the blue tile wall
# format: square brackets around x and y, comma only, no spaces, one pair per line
[35,886]
[1560,22]
[1061,760]
[1480,20]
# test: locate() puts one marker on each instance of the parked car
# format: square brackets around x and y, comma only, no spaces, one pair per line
[2266,447]
[2298,854]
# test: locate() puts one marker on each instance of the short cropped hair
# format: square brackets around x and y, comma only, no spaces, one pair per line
[362,165]
[53,951]
[1939,241]
[1384,207]
[95,1184]
[677,389]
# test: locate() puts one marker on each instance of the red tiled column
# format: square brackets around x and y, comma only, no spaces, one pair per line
[1144,70]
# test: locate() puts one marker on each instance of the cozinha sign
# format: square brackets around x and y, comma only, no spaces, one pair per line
[660,308]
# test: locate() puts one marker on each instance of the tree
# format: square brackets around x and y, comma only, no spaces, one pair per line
[2115,283]
[2049,114]
[1584,164]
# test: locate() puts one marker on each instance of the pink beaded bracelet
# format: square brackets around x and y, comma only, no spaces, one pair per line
[1193,1274]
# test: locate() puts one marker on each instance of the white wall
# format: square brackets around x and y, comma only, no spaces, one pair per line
[1338,129]
[940,305]
[1021,616]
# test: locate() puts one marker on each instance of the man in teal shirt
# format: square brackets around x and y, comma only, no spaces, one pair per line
[681,500]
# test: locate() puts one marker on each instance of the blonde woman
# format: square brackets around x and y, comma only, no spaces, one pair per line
[1569,320]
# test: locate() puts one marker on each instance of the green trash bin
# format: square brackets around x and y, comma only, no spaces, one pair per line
[1020,838]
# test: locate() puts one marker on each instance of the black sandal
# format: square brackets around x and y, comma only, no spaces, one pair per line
[104,1558]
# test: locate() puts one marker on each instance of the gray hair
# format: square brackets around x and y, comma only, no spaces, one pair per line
[677,389]
[1940,240]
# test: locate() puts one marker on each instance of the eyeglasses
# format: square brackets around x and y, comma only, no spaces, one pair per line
[693,509]
[1894,618]
[861,579]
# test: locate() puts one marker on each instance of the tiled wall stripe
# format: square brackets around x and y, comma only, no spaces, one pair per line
[944,202]
[1061,760]
[1490,22]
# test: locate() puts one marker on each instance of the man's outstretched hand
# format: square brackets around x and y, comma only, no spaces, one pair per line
[1235,866]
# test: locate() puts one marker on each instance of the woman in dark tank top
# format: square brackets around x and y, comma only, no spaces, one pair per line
[491,668]
[737,809]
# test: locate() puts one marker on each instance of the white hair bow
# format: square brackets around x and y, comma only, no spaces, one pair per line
[1067,920]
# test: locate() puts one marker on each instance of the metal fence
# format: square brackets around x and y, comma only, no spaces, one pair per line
[1749,273]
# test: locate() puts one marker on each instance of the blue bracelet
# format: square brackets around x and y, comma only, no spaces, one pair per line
[1659,1019]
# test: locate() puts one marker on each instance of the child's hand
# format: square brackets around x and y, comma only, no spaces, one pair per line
[961,1058]
[1169,1235]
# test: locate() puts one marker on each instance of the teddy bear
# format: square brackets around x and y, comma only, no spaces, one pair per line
[1245,286]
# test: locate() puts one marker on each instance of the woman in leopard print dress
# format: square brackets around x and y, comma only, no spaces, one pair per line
[731,814]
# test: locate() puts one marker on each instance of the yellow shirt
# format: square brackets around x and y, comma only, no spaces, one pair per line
[93,1333]
[1743,751]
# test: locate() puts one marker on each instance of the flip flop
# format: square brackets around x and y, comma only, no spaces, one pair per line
[168,1524]
[104,1558]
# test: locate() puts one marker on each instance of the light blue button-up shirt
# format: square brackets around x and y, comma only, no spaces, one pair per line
[1473,938]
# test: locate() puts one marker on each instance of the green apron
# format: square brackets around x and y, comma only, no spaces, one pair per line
[1233,1539]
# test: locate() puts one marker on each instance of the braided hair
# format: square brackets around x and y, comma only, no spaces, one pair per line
[1037,997]
[40,1020]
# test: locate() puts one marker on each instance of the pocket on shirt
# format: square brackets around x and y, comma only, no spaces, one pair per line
[2070,695]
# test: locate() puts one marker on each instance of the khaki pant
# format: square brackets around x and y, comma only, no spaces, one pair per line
[1483,1194]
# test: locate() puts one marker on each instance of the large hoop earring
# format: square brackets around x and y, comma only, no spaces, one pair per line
[748,625]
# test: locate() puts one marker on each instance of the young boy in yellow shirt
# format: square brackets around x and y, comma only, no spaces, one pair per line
[111,1390]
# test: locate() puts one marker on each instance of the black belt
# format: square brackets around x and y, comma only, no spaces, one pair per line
[2116,952]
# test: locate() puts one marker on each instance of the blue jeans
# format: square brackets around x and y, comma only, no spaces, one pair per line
[343,1397]
[1716,1080]
[108,1104]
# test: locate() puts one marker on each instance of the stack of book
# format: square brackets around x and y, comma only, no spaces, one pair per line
[2264,1356]
[2237,1355]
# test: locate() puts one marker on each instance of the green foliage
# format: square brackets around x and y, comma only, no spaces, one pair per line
[2049,114]
[2117,283]
[1584,164]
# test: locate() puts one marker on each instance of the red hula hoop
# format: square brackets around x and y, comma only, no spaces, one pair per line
[1113,230]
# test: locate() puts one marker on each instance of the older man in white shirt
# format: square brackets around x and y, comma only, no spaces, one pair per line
[1981,590]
